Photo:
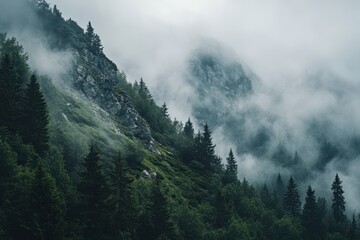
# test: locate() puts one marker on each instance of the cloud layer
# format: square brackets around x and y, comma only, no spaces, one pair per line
[306,55]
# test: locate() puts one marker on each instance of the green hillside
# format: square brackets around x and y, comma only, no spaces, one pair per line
[94,157]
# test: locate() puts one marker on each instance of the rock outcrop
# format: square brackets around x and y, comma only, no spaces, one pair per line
[97,78]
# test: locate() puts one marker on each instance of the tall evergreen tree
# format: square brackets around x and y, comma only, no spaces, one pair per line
[189,130]
[231,167]
[93,194]
[93,39]
[121,199]
[89,31]
[164,111]
[18,58]
[10,95]
[35,117]
[47,206]
[310,217]
[292,198]
[338,201]
[56,12]
[207,149]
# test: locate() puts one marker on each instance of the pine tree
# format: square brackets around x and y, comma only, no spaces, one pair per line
[121,197]
[18,58]
[189,130]
[35,117]
[310,217]
[207,149]
[93,194]
[164,111]
[96,43]
[338,201]
[231,167]
[10,96]
[89,32]
[47,206]
[292,198]
[56,12]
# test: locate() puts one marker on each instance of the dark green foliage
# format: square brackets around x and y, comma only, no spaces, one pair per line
[47,206]
[353,229]
[292,202]
[287,228]
[311,220]
[10,95]
[121,199]
[189,130]
[35,117]
[338,201]
[190,224]
[38,199]
[231,168]
[220,212]
[18,58]
[93,195]
[163,226]
[93,39]
[205,149]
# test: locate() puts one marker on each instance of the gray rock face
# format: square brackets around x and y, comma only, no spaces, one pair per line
[97,77]
[219,82]
[215,74]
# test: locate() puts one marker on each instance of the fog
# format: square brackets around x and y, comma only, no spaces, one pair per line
[305,56]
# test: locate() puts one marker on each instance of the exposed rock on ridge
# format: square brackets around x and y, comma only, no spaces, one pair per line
[97,77]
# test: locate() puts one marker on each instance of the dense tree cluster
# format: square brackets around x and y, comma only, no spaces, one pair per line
[190,194]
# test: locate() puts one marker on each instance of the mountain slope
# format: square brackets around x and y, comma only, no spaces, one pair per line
[105,177]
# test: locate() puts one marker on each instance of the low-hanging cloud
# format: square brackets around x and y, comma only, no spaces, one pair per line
[306,55]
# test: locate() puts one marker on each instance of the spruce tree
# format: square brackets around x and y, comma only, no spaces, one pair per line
[18,58]
[231,167]
[35,117]
[338,201]
[164,111]
[56,12]
[207,149]
[47,206]
[292,202]
[10,95]
[121,197]
[310,217]
[189,130]
[96,43]
[89,32]
[93,195]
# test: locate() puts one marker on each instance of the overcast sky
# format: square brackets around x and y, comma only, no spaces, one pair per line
[274,38]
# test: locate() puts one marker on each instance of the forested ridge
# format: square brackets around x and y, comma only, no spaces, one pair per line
[181,191]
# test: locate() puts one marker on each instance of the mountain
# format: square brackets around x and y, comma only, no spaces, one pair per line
[219,82]
[114,165]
